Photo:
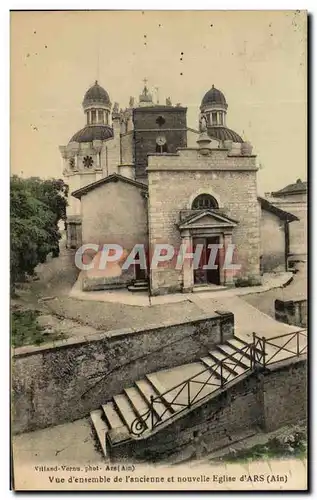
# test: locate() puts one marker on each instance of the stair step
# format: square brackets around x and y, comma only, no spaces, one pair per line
[229,364]
[147,390]
[237,357]
[100,427]
[133,288]
[136,400]
[237,343]
[197,389]
[124,409]
[160,389]
[112,417]
[140,283]
[211,362]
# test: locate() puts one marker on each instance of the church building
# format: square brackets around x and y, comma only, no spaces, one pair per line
[140,176]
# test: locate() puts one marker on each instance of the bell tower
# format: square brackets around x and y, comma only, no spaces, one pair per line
[158,129]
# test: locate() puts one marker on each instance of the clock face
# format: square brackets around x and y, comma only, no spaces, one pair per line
[160,141]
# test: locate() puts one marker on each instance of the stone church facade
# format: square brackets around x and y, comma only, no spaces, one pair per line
[147,179]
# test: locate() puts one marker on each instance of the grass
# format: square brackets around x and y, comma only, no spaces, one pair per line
[290,445]
[25,329]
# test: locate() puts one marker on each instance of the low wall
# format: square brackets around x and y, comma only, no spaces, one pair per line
[262,400]
[65,380]
[285,396]
[292,312]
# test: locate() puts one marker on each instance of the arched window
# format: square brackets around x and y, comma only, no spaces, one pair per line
[203,201]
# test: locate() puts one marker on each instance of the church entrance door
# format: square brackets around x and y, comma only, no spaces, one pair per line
[206,276]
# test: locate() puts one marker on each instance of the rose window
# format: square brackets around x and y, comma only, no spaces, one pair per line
[88,161]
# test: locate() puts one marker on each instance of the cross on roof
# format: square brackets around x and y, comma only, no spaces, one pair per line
[145,81]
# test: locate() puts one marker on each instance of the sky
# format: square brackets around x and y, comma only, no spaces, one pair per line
[256,58]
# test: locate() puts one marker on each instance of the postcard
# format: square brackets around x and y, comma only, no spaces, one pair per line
[159,250]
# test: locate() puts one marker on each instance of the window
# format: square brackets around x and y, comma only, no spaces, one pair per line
[93,116]
[88,161]
[214,118]
[220,118]
[204,201]
[100,115]
[72,163]
[160,121]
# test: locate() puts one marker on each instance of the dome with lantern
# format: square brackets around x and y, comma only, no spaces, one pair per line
[97,107]
[214,109]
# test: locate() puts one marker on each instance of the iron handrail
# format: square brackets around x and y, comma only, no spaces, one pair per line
[263,342]
[139,425]
[303,332]
[257,356]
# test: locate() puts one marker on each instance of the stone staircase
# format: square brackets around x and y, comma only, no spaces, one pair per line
[139,286]
[112,422]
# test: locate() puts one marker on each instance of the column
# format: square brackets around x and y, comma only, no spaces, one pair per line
[97,159]
[221,260]
[188,271]
[228,274]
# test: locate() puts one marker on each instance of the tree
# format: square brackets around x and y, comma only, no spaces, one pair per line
[36,208]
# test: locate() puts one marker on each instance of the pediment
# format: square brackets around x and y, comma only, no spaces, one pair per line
[207,219]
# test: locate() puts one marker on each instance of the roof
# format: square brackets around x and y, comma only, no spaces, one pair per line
[281,214]
[93,132]
[111,178]
[216,218]
[223,134]
[214,96]
[297,188]
[96,95]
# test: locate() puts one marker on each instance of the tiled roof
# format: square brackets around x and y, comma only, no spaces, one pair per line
[96,94]
[224,133]
[93,132]
[214,96]
[282,214]
[111,178]
[298,187]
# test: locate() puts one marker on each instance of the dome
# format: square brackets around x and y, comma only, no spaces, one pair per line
[214,96]
[93,132]
[96,95]
[223,134]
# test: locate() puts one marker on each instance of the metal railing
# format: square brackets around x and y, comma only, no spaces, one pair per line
[258,354]
[182,396]
[279,348]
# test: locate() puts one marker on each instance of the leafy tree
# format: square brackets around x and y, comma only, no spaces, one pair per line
[36,208]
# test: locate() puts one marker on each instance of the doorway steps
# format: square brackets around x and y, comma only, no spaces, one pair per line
[139,286]
[209,288]
[113,420]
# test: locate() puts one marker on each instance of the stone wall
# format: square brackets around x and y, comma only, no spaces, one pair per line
[272,242]
[127,148]
[297,205]
[292,312]
[115,212]
[111,151]
[259,401]
[285,396]
[64,381]
[175,180]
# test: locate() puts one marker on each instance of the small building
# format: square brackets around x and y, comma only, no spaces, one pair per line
[293,198]
[275,236]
